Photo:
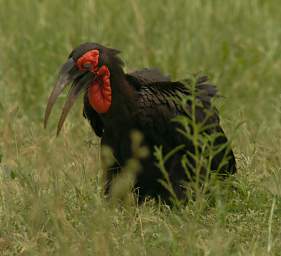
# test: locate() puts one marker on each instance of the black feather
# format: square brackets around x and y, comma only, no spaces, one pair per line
[93,117]
[148,101]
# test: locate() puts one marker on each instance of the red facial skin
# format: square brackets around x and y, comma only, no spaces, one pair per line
[99,92]
[90,57]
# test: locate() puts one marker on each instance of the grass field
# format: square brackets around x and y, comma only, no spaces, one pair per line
[50,188]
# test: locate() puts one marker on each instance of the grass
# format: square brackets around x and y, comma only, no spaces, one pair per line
[50,188]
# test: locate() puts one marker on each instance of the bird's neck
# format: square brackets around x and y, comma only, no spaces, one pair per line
[122,100]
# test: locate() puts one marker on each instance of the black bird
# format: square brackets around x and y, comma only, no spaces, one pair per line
[116,103]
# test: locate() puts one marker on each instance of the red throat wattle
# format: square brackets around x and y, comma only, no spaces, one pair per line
[99,92]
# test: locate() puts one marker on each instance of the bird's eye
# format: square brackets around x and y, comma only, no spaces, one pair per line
[87,65]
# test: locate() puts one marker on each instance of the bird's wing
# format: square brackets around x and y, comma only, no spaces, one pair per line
[168,93]
[153,77]
[162,99]
[159,102]
[93,117]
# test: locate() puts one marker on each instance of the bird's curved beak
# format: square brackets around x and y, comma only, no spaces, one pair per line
[80,80]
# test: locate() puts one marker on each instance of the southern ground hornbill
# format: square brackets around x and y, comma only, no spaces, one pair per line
[116,103]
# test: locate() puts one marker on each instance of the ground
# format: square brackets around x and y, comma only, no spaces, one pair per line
[50,188]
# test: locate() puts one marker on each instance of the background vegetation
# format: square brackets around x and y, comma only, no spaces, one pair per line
[50,189]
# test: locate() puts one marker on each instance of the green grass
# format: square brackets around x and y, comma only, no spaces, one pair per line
[50,188]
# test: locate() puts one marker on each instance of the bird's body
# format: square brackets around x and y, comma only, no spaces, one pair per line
[147,101]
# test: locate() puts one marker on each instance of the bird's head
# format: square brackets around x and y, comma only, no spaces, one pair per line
[89,68]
